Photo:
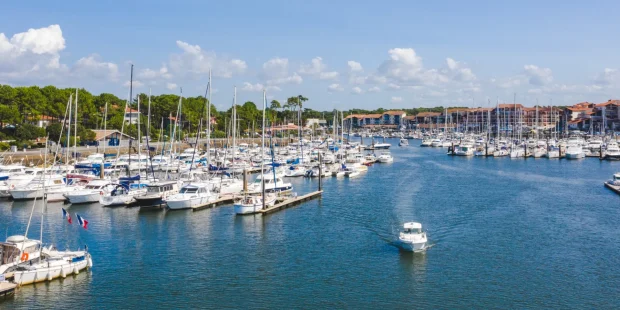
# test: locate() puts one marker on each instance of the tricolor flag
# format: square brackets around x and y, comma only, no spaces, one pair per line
[83,222]
[66,215]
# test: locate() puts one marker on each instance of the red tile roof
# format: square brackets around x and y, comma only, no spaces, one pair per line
[428,114]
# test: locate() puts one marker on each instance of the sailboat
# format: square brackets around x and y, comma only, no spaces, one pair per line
[255,203]
[26,261]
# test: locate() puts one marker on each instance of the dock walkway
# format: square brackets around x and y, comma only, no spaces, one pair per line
[291,202]
[219,202]
[7,288]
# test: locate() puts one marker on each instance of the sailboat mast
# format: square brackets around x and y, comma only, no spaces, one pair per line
[234,123]
[262,150]
[75,125]
[209,121]
[68,144]
[129,103]
[105,126]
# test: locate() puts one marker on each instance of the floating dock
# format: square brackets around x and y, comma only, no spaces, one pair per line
[219,202]
[291,202]
[7,288]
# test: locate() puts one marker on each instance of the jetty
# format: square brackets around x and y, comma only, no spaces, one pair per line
[7,288]
[212,204]
[287,203]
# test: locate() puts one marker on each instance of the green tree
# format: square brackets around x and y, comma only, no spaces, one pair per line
[53,131]
[28,132]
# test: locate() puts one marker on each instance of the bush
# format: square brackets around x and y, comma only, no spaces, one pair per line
[4,146]
[218,134]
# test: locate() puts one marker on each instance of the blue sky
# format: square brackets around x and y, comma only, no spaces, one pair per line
[340,54]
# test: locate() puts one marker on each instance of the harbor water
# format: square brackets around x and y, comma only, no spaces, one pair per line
[505,233]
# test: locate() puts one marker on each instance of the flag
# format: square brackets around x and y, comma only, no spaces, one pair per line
[66,215]
[83,222]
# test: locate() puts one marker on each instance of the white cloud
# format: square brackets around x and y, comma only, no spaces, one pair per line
[458,71]
[91,66]
[397,99]
[34,54]
[403,65]
[538,76]
[356,90]
[135,84]
[149,74]
[393,86]
[335,88]
[354,66]
[607,77]
[332,75]
[258,87]
[318,69]
[171,86]
[196,62]
[374,89]
[276,71]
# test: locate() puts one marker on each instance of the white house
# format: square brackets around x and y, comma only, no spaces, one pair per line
[132,115]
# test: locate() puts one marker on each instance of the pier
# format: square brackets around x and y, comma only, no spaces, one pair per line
[7,288]
[212,204]
[287,203]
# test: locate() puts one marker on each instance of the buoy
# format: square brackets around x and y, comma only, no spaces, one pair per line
[63,274]
[75,270]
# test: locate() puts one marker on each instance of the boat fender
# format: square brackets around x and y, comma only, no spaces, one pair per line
[101,193]
[75,270]
[24,257]
[63,274]
[49,276]
[90,262]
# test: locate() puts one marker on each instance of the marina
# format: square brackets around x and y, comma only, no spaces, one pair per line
[459,221]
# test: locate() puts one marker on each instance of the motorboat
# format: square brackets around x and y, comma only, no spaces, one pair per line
[351,172]
[553,152]
[427,142]
[90,193]
[251,204]
[272,185]
[190,196]
[122,194]
[403,142]
[156,193]
[385,157]
[436,143]
[412,238]
[378,146]
[612,152]
[4,190]
[295,171]
[614,183]
[17,250]
[464,149]
[574,151]
[52,185]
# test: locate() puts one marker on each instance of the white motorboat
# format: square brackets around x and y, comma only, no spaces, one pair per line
[122,195]
[574,151]
[412,238]
[272,185]
[553,152]
[90,193]
[427,142]
[295,171]
[464,149]
[4,190]
[190,196]
[385,157]
[253,204]
[378,146]
[52,185]
[351,172]
[436,143]
[403,142]
[612,152]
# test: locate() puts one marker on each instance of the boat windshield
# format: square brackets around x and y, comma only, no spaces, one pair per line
[152,189]
[413,230]
[189,190]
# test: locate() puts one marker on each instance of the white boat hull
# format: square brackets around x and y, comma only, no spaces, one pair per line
[83,196]
[188,203]
[42,274]
[412,246]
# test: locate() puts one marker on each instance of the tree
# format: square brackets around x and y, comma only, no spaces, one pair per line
[28,132]
[275,104]
[53,131]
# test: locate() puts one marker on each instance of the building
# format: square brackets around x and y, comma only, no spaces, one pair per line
[310,122]
[111,138]
[131,115]
[388,119]
[42,121]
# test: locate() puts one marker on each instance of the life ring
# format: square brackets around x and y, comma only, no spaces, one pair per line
[24,257]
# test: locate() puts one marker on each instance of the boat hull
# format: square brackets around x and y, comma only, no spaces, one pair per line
[83,197]
[50,273]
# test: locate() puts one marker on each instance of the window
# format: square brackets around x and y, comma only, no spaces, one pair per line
[189,190]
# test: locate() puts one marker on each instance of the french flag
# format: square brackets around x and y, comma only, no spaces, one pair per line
[83,222]
[66,215]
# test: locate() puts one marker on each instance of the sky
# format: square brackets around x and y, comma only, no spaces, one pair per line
[339,54]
